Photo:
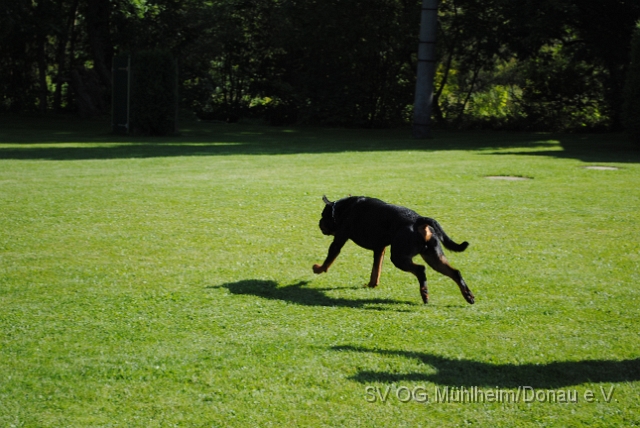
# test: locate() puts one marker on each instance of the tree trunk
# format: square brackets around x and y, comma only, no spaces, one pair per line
[98,17]
[426,70]
[61,54]
[42,74]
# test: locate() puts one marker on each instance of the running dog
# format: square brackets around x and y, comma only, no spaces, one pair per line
[375,225]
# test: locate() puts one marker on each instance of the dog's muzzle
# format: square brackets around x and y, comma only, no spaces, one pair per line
[323,227]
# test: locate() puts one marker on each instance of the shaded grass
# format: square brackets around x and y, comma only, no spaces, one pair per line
[168,282]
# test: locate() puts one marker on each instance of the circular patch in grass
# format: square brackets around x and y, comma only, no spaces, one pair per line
[602,167]
[507,177]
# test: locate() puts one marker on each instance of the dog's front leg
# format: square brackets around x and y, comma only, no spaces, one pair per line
[378,257]
[334,250]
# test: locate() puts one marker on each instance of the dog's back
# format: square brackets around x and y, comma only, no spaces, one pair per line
[370,222]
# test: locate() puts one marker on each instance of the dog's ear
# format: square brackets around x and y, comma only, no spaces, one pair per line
[425,231]
[326,201]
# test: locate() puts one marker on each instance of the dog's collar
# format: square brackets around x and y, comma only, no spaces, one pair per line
[333,207]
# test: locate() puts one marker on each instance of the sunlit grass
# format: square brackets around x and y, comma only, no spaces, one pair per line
[168,282]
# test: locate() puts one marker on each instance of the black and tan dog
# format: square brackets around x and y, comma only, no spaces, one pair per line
[374,225]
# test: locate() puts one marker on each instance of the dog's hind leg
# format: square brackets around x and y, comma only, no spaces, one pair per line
[404,262]
[436,259]
[378,257]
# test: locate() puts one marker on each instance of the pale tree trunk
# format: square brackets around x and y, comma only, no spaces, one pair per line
[426,70]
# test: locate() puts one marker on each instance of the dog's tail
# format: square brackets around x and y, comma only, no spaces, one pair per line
[441,235]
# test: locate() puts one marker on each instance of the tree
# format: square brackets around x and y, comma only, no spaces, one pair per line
[530,64]
[154,95]
[590,35]
[426,69]
[631,107]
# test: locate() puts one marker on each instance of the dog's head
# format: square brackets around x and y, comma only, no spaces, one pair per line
[327,222]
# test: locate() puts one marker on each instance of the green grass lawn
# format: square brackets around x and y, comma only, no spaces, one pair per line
[167,281]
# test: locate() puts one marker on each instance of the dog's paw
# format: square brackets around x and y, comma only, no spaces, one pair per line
[424,294]
[318,269]
[469,297]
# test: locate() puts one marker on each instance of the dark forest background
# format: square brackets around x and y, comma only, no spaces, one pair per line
[502,64]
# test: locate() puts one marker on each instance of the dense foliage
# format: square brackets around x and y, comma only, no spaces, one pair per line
[522,64]
[631,105]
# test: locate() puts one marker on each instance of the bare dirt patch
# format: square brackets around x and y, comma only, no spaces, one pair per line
[602,167]
[507,177]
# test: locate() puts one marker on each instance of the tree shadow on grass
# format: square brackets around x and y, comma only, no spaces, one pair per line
[67,138]
[124,151]
[590,148]
[31,139]
[217,146]
[299,294]
[469,373]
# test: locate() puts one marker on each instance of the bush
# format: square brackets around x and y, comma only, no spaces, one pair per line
[560,93]
[154,93]
[631,106]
